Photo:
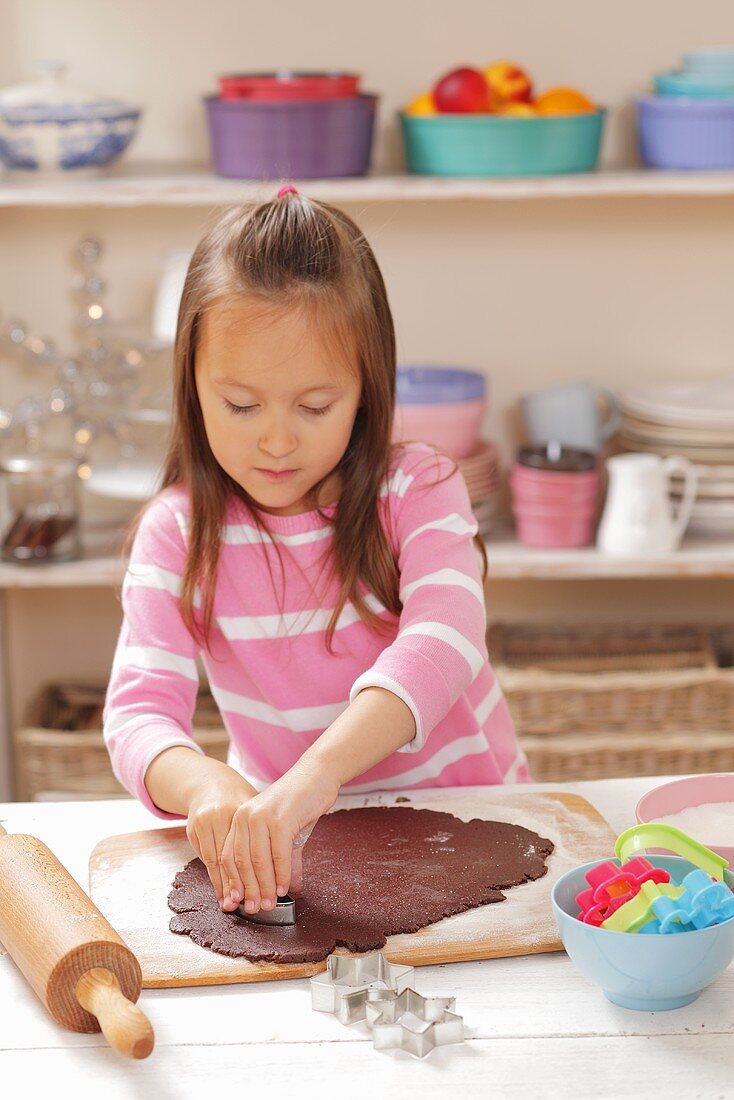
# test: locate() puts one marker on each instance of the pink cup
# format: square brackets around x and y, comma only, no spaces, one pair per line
[696,790]
[580,494]
[555,531]
[554,508]
[555,479]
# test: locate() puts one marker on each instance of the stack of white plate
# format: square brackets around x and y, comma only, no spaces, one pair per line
[695,420]
[481,472]
[713,512]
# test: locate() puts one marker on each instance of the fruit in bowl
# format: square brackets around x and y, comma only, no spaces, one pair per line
[423,105]
[463,91]
[508,82]
[564,101]
[502,88]
[518,110]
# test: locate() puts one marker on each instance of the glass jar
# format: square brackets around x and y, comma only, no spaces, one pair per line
[40,508]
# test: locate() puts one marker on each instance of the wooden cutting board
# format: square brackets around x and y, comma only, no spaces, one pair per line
[130,878]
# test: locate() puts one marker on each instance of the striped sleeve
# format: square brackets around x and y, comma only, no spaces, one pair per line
[152,689]
[440,646]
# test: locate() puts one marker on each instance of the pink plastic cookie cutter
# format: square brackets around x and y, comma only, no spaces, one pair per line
[612,886]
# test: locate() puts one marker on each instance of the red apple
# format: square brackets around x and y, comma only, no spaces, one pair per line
[463,91]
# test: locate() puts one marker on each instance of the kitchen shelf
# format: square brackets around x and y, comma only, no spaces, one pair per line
[508,560]
[195,185]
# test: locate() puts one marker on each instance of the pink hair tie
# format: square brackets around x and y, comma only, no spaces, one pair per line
[288,189]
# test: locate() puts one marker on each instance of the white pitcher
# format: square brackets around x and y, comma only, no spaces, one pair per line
[638,515]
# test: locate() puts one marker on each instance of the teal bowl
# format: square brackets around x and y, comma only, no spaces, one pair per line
[648,973]
[695,85]
[494,145]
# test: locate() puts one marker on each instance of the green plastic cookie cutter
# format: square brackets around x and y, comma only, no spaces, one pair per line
[636,912]
[656,835]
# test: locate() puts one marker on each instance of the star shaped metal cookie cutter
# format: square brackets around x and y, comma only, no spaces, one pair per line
[348,984]
[408,1021]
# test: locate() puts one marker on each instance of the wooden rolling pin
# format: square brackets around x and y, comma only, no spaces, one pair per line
[83,972]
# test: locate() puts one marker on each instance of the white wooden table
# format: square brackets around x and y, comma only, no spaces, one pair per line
[534,1026]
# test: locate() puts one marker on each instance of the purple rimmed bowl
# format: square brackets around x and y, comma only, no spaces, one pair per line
[309,139]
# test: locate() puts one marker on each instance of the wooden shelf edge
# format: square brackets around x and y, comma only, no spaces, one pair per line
[195,185]
[508,560]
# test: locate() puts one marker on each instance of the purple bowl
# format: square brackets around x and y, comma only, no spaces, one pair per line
[680,132]
[419,385]
[313,139]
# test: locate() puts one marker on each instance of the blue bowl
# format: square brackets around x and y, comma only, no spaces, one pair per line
[648,973]
[695,85]
[716,59]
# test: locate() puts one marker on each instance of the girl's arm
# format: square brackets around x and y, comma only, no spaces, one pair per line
[263,852]
[343,751]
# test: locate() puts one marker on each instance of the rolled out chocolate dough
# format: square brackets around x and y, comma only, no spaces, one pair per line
[368,874]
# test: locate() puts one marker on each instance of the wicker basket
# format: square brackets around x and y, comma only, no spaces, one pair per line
[607,700]
[601,755]
[577,678]
[61,752]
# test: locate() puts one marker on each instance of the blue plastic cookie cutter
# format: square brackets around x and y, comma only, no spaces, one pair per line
[702,904]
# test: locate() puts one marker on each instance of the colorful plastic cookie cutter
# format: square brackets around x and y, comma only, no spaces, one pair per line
[639,910]
[611,886]
[653,928]
[655,835]
[701,904]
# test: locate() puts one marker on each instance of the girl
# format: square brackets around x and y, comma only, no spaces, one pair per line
[328,580]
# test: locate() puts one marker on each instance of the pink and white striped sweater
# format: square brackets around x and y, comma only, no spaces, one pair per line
[274,682]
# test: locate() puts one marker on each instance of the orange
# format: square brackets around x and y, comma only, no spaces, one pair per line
[563,101]
[422,105]
[518,110]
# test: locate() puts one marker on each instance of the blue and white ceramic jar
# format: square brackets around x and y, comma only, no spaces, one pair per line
[48,127]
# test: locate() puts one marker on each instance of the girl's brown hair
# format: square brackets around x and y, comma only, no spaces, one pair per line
[291,252]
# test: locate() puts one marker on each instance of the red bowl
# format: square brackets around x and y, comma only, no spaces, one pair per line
[286,85]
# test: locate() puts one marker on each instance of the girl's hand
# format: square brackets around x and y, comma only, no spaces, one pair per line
[263,852]
[211,811]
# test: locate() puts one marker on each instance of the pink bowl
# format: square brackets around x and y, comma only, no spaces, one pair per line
[452,428]
[696,790]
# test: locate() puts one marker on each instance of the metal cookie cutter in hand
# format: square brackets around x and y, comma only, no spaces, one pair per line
[283,914]
[347,984]
[411,1022]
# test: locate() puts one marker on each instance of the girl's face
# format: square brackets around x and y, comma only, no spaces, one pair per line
[278,406]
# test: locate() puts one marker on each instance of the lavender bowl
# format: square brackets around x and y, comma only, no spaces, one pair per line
[680,132]
[296,139]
